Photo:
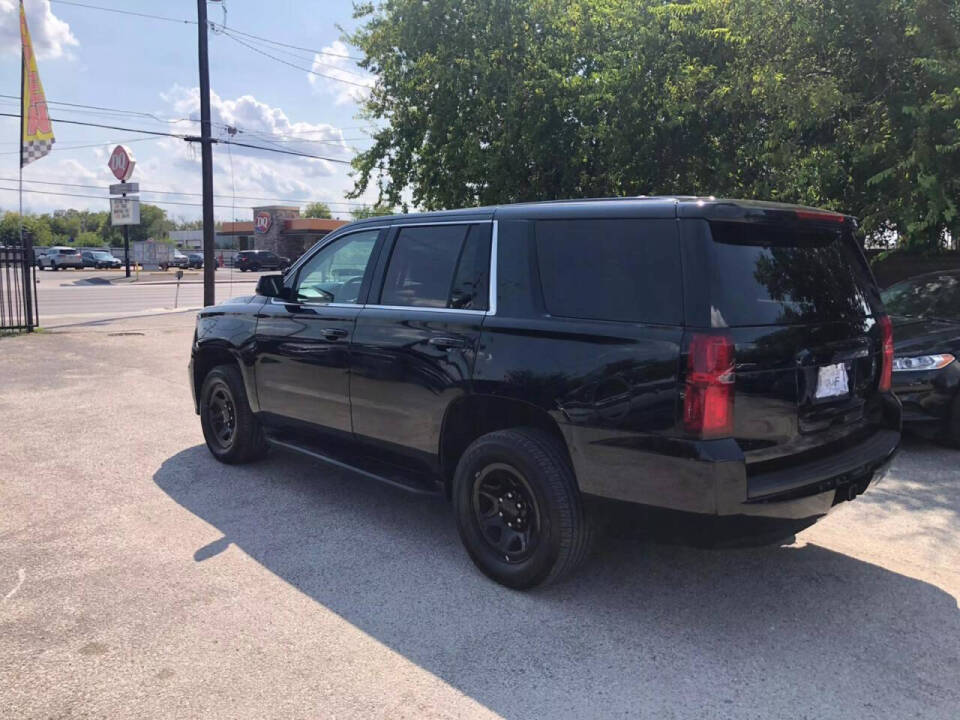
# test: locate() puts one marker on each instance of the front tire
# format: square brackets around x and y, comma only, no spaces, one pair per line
[232,431]
[518,508]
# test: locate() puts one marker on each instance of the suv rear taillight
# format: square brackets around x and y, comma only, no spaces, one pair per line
[708,399]
[886,370]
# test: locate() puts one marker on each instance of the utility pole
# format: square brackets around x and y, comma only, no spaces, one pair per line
[206,159]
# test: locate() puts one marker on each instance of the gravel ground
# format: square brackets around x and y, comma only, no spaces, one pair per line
[139,578]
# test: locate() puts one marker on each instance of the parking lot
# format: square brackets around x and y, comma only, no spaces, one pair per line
[140,578]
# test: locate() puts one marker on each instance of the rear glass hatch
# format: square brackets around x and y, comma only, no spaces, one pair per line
[792,292]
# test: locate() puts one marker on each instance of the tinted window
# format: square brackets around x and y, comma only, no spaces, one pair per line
[422,266]
[335,273]
[771,275]
[932,296]
[470,286]
[624,270]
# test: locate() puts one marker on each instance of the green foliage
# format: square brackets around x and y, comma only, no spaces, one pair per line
[317,210]
[368,211]
[846,104]
[82,228]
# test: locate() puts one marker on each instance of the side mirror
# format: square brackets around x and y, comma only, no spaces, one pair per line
[271,286]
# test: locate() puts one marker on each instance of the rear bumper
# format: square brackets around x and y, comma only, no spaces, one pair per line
[711,479]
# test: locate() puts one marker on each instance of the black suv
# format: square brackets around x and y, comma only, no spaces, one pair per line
[261,260]
[730,360]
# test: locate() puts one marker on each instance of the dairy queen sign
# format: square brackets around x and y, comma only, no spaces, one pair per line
[263,222]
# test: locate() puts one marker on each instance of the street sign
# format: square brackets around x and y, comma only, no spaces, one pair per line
[125,211]
[121,163]
[262,222]
[125,189]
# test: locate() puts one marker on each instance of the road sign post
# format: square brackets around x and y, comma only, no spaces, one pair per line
[123,210]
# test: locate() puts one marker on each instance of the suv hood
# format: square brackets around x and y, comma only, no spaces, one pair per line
[922,336]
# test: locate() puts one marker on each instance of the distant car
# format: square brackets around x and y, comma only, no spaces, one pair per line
[261,260]
[926,333]
[60,257]
[99,259]
[195,260]
[177,260]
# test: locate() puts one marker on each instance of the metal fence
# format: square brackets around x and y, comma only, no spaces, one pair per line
[18,306]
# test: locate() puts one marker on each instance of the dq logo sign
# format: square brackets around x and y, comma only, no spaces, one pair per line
[263,222]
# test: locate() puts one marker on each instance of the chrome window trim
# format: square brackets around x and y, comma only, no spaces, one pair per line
[491,283]
[415,308]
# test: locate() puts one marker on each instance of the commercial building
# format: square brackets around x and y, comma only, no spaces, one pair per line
[278,228]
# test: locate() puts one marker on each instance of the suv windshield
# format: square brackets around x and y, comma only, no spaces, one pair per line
[931,296]
[768,274]
[103,256]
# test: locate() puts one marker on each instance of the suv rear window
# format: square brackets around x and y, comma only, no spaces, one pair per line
[623,270]
[768,274]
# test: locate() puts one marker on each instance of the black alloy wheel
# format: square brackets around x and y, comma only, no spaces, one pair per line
[518,508]
[223,415]
[506,512]
[232,431]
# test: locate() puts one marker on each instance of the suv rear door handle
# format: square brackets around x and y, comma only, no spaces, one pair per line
[333,333]
[448,343]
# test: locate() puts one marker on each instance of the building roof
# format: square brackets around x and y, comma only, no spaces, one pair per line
[311,224]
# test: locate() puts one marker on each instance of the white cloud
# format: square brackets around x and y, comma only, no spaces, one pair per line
[170,164]
[343,79]
[51,36]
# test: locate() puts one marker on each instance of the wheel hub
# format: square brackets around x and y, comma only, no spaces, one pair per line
[506,512]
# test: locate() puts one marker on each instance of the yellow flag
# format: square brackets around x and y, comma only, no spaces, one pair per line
[37,133]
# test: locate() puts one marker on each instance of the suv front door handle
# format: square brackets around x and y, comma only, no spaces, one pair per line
[448,343]
[333,333]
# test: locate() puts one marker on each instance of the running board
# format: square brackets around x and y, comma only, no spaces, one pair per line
[409,480]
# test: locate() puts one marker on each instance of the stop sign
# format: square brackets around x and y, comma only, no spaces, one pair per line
[121,163]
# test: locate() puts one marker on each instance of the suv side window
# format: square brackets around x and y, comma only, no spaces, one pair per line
[439,266]
[335,273]
[623,270]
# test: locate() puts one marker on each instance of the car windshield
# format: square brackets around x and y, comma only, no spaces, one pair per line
[930,296]
[103,256]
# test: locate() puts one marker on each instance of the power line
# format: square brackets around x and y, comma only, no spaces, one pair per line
[107,127]
[112,111]
[125,12]
[193,194]
[91,145]
[293,65]
[219,28]
[216,27]
[190,138]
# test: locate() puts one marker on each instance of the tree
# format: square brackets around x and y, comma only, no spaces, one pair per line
[368,211]
[847,104]
[317,210]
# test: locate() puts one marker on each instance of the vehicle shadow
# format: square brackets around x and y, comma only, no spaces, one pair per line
[642,630]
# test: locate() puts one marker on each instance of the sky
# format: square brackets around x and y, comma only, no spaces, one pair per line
[148,65]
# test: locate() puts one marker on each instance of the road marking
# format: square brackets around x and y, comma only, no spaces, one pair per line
[21,576]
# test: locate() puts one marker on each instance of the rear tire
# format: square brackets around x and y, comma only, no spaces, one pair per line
[518,508]
[232,431]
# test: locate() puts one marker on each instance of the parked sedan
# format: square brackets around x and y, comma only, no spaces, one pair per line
[99,259]
[195,260]
[60,257]
[926,371]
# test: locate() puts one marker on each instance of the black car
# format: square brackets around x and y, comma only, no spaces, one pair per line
[926,374]
[260,260]
[727,360]
[99,259]
[195,260]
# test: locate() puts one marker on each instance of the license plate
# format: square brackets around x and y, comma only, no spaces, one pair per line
[832,381]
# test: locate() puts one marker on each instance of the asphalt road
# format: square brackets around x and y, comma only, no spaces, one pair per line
[65,295]
[140,578]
